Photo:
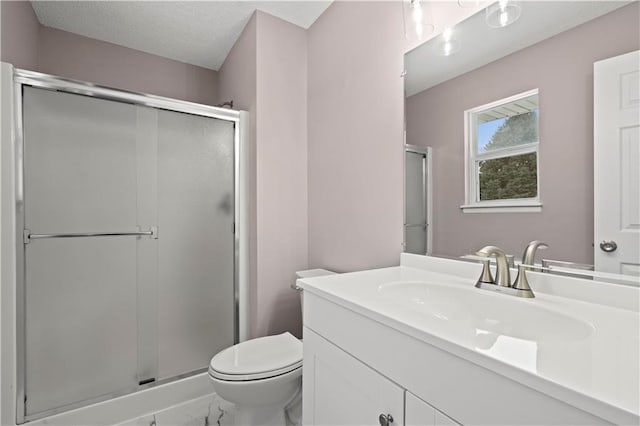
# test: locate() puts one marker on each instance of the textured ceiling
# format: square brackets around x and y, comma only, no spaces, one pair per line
[196,32]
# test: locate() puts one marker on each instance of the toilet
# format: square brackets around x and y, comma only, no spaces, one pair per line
[262,376]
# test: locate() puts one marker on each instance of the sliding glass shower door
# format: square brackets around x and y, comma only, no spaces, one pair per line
[196,247]
[128,246]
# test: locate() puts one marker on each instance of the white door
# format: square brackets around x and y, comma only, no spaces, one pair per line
[617,164]
[340,390]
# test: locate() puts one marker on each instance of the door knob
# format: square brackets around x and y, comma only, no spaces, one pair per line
[385,419]
[608,246]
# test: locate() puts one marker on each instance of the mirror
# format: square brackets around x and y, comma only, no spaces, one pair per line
[551,49]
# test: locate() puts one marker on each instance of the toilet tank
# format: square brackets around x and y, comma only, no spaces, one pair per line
[309,273]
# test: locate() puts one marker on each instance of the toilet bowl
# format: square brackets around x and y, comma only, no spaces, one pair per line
[261,376]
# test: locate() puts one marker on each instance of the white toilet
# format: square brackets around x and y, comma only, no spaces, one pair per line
[261,376]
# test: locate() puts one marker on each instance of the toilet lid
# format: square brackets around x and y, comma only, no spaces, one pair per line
[258,358]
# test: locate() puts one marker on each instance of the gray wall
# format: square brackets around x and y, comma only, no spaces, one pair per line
[281,173]
[355,136]
[562,68]
[19,35]
[355,131]
[265,73]
[29,45]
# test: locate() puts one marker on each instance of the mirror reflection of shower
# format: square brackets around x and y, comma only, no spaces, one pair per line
[417,207]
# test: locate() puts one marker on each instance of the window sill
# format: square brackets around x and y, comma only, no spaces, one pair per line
[529,207]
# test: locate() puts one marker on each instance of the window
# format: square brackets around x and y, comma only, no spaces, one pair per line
[502,173]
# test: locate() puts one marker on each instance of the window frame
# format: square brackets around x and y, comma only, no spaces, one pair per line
[471,158]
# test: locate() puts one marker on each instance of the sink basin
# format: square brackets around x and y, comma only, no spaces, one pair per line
[485,313]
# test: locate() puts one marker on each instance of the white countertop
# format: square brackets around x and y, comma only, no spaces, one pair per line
[594,355]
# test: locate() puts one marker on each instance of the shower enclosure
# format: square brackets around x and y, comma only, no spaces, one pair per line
[127,215]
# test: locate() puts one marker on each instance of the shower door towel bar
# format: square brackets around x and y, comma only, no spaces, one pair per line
[152,232]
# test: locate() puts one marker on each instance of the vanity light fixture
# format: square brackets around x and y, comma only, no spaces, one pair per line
[448,44]
[416,20]
[468,3]
[503,13]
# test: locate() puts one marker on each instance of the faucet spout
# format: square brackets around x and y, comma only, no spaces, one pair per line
[503,277]
[529,256]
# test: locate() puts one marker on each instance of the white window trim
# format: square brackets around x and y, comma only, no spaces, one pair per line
[522,205]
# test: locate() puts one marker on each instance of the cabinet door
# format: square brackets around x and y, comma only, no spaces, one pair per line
[443,420]
[341,390]
[419,413]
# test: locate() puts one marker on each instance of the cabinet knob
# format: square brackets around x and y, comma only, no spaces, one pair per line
[385,419]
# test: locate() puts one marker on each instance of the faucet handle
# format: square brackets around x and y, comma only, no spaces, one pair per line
[485,276]
[521,283]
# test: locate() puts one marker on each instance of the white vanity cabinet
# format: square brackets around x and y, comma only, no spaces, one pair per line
[340,390]
[419,413]
[358,365]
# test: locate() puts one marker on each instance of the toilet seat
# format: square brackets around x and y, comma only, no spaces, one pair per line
[259,358]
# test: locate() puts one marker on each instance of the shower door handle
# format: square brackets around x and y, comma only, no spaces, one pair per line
[152,232]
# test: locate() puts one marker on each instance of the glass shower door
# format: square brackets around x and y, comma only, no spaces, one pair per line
[196,301]
[104,315]
[80,293]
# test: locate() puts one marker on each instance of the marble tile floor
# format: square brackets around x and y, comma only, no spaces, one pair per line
[209,410]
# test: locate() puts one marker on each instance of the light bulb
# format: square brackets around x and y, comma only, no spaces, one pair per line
[448,44]
[468,3]
[447,33]
[417,13]
[447,49]
[416,16]
[504,18]
[503,13]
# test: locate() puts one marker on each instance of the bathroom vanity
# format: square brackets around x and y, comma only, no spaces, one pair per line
[417,344]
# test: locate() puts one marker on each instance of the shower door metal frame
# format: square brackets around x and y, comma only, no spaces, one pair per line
[23,78]
[427,172]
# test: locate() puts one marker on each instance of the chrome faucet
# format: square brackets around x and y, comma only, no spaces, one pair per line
[503,277]
[519,288]
[529,256]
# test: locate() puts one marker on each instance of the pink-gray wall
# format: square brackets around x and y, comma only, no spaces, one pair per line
[281,170]
[355,138]
[265,73]
[355,127]
[562,68]
[19,34]
[27,44]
